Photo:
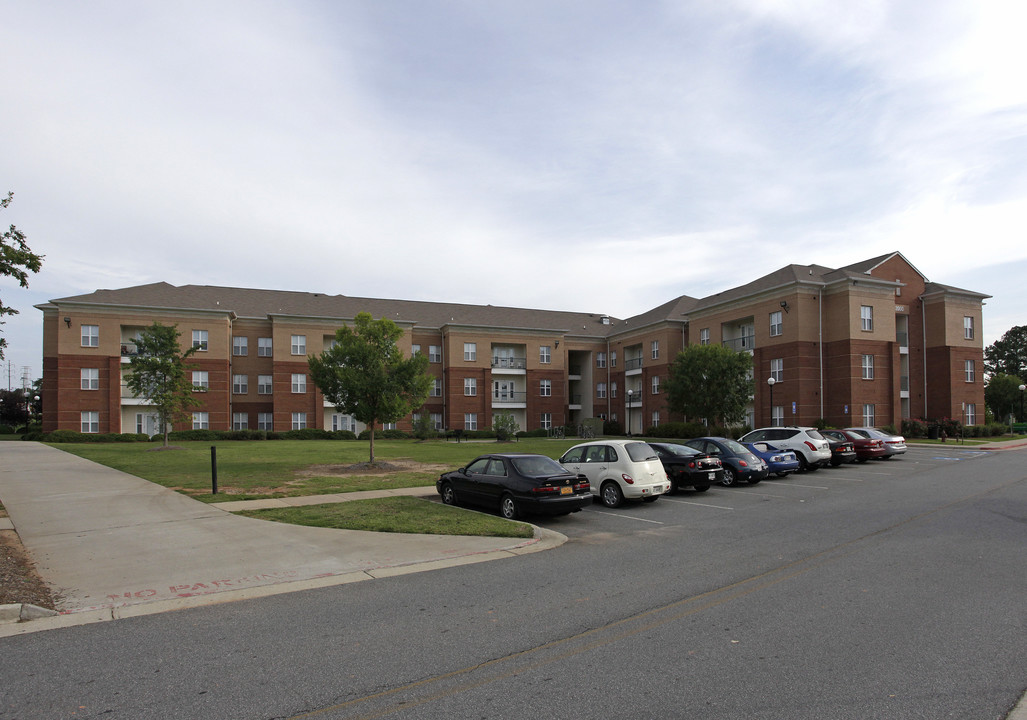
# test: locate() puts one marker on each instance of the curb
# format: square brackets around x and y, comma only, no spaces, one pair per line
[19,612]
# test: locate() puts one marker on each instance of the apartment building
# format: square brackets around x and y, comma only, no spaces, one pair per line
[871,343]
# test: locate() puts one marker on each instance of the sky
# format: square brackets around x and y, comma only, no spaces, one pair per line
[593,156]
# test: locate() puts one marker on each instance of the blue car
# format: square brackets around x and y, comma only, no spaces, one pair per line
[778,461]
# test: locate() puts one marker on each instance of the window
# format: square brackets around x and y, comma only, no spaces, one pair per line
[200,380]
[470,421]
[544,355]
[201,421]
[414,349]
[601,390]
[654,348]
[90,336]
[240,346]
[656,417]
[545,388]
[263,347]
[298,345]
[90,422]
[330,343]
[868,415]
[971,414]
[613,358]
[968,327]
[470,386]
[299,420]
[704,336]
[435,353]
[200,339]
[264,384]
[470,352]
[777,415]
[240,384]
[777,369]
[90,378]
[868,367]
[340,422]
[656,384]
[240,421]
[299,384]
[601,360]
[613,390]
[436,388]
[264,421]
[775,323]
[970,370]
[546,421]
[389,426]
[866,316]
[436,421]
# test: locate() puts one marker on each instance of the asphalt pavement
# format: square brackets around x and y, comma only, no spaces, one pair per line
[114,545]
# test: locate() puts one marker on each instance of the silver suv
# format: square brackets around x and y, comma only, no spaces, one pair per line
[810,447]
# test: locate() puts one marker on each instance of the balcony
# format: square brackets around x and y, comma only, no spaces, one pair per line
[745,343]
[509,363]
[632,364]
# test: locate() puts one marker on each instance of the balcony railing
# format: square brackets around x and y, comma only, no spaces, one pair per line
[904,383]
[517,396]
[575,399]
[574,370]
[902,338]
[632,363]
[515,363]
[739,344]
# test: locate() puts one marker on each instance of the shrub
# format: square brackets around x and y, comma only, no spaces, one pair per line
[505,426]
[612,427]
[683,430]
[914,428]
[540,432]
[6,429]
[73,436]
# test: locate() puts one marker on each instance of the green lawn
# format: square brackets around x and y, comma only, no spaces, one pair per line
[287,468]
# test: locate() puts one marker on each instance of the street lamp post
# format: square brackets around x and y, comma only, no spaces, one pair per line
[630,393]
[771,382]
[1022,388]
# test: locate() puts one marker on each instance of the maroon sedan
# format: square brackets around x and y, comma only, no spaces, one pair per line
[866,448]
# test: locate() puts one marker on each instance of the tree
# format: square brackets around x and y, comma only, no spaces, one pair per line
[1008,355]
[157,373]
[14,407]
[710,381]
[505,426]
[365,374]
[1002,395]
[16,260]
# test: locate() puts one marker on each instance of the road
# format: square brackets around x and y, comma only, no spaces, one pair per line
[886,590]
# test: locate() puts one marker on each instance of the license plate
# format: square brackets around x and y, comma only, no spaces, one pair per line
[713,475]
[566,490]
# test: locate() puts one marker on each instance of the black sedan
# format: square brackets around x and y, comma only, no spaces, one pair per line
[687,467]
[516,484]
[842,450]
[739,464]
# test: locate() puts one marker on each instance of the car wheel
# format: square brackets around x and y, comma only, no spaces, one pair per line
[803,465]
[673,487]
[754,480]
[508,508]
[701,488]
[730,476]
[448,494]
[811,467]
[784,474]
[835,462]
[611,495]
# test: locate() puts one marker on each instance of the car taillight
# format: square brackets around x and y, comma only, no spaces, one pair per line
[628,479]
[545,489]
[583,485]
[692,464]
[743,463]
[811,445]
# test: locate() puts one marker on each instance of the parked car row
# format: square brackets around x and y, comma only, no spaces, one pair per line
[615,470]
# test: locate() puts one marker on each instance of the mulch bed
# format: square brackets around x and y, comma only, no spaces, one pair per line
[19,582]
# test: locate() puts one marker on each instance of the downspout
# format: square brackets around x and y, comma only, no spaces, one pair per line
[923,349]
[609,400]
[820,345]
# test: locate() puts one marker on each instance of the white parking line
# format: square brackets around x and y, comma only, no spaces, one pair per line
[815,487]
[629,517]
[757,492]
[686,502]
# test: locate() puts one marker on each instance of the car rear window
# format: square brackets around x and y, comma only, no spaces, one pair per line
[735,446]
[815,434]
[537,466]
[640,452]
[675,449]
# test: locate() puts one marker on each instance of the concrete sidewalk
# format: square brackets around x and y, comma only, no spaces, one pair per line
[114,545]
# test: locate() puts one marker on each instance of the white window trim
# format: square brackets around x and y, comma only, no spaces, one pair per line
[90,336]
[470,387]
[298,345]
[299,383]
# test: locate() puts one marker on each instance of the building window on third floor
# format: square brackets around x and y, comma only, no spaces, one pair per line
[200,340]
[968,327]
[264,383]
[436,388]
[240,384]
[298,345]
[470,352]
[240,346]
[545,388]
[777,369]
[435,353]
[600,390]
[654,349]
[866,317]
[201,381]
[470,386]
[90,378]
[299,383]
[704,336]
[264,347]
[600,360]
[868,367]
[776,324]
[545,355]
[613,358]
[969,369]
[90,336]
[414,349]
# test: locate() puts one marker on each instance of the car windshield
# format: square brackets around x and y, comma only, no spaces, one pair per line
[640,451]
[735,447]
[675,449]
[537,466]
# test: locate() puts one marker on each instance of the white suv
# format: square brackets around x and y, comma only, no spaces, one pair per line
[619,469]
[811,449]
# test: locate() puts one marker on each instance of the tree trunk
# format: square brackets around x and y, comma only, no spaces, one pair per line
[372,442]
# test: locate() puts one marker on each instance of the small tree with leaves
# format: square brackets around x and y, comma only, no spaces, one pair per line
[157,373]
[710,381]
[1002,395]
[16,260]
[505,426]
[1008,355]
[366,374]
